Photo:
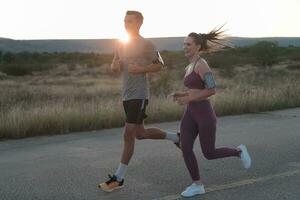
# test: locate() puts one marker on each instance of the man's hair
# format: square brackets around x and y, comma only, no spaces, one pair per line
[138,15]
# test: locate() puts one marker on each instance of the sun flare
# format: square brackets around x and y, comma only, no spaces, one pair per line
[125,38]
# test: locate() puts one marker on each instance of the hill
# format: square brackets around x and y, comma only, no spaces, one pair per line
[108,45]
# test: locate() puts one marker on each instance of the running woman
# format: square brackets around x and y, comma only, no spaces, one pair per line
[199,118]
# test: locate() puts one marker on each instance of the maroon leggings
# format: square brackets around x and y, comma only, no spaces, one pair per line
[199,119]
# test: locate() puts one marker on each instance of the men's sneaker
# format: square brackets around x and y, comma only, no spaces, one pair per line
[193,190]
[112,184]
[245,157]
[178,144]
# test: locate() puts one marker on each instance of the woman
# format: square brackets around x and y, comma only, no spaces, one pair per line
[199,117]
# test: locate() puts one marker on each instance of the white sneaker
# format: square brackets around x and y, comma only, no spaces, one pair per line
[245,157]
[193,190]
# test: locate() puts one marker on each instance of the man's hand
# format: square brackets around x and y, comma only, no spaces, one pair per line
[135,69]
[116,65]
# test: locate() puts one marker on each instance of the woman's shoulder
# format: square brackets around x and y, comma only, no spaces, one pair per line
[202,66]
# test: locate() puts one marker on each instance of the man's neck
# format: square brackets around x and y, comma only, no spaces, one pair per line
[135,36]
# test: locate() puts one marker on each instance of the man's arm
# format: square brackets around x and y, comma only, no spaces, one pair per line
[136,69]
[156,65]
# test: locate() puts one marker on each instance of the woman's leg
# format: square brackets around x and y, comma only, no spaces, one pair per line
[207,136]
[189,132]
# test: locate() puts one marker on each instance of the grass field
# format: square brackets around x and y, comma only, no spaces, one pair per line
[81,98]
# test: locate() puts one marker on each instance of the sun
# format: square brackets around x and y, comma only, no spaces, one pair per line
[125,38]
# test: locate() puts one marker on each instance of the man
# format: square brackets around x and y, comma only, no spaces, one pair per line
[134,60]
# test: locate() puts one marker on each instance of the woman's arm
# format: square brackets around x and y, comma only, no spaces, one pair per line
[195,95]
[176,95]
[198,94]
[203,70]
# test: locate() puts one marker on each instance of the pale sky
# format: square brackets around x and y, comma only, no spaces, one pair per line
[98,19]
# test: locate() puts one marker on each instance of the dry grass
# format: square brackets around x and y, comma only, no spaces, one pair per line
[82,99]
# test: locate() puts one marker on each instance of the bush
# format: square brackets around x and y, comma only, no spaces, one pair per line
[3,76]
[7,57]
[266,53]
[174,59]
[224,61]
[15,70]
[228,71]
[220,60]
[295,56]
[293,67]
[23,69]
[160,85]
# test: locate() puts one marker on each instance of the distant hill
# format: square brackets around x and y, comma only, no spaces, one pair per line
[1,38]
[108,45]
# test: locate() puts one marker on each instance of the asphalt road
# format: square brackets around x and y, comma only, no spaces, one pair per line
[69,167]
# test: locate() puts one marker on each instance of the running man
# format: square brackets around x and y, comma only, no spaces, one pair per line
[134,60]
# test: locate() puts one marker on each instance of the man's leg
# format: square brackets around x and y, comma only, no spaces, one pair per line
[154,133]
[134,128]
[137,114]
[149,133]
[128,149]
[117,180]
[129,139]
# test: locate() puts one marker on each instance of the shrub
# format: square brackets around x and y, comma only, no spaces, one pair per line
[3,76]
[15,70]
[293,67]
[266,53]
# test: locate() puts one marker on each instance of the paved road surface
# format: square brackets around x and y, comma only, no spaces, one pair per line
[69,167]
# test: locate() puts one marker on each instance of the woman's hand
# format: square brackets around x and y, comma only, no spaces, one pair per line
[194,93]
[200,94]
[183,100]
[175,95]
[190,95]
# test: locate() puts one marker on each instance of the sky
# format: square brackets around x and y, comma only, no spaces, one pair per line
[103,19]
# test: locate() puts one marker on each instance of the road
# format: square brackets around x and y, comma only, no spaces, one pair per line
[69,167]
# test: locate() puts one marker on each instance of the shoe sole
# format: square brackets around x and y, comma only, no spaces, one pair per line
[193,195]
[119,187]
